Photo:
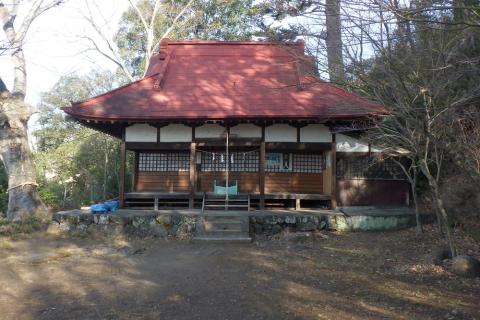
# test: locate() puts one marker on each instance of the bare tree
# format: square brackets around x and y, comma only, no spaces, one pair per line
[334,41]
[23,200]
[423,72]
[106,45]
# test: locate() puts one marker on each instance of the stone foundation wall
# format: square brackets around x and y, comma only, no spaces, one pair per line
[371,223]
[139,224]
[181,226]
[273,224]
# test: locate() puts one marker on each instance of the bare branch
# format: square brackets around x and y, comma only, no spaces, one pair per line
[113,59]
[37,9]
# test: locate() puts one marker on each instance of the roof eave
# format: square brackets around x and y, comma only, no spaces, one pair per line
[71,112]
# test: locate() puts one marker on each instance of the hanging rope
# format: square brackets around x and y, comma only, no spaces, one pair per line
[22,185]
[223,153]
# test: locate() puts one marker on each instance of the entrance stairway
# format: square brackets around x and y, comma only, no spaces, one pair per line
[218,202]
[218,224]
[222,227]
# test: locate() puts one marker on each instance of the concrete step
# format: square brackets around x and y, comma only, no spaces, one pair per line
[222,203]
[223,200]
[225,218]
[225,233]
[223,225]
[235,239]
[222,196]
[222,219]
[223,207]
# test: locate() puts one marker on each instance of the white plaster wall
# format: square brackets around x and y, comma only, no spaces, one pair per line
[315,133]
[280,133]
[141,132]
[246,130]
[176,133]
[349,144]
[209,130]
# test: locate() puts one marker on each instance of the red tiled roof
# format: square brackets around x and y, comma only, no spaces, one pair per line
[226,80]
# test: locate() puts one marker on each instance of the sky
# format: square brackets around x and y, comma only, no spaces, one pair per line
[54,46]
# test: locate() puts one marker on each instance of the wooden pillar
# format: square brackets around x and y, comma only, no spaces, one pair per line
[135,172]
[123,160]
[261,175]
[193,167]
[334,172]
[297,204]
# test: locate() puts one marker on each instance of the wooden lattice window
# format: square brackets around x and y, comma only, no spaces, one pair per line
[365,167]
[294,162]
[309,163]
[278,162]
[164,161]
[244,161]
[239,161]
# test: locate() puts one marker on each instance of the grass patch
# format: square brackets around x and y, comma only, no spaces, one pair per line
[20,228]
[5,244]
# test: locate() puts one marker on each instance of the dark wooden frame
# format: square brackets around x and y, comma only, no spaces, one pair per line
[236,142]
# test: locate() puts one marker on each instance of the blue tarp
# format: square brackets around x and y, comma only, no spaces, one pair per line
[107,206]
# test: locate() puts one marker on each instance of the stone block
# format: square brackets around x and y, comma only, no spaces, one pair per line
[163,219]
[257,228]
[276,229]
[101,218]
[307,226]
[158,231]
[290,220]
[466,266]
[119,219]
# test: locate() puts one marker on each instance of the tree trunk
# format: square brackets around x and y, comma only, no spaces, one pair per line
[415,200]
[334,41]
[23,200]
[440,207]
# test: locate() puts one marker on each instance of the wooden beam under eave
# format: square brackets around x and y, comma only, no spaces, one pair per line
[123,159]
[333,200]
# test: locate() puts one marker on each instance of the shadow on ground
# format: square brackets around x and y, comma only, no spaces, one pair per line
[334,276]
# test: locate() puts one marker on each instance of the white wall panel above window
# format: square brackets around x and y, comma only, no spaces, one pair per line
[246,130]
[141,132]
[209,130]
[176,133]
[315,133]
[280,133]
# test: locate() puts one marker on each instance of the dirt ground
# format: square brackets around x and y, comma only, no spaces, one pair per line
[328,276]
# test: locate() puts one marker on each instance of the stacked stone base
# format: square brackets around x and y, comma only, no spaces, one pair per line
[178,225]
[267,225]
[139,224]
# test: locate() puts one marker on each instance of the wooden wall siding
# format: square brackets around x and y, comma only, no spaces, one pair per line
[162,181]
[276,182]
[247,181]
[364,192]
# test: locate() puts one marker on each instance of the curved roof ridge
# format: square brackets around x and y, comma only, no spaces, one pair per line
[209,82]
[88,101]
[343,91]
[299,42]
